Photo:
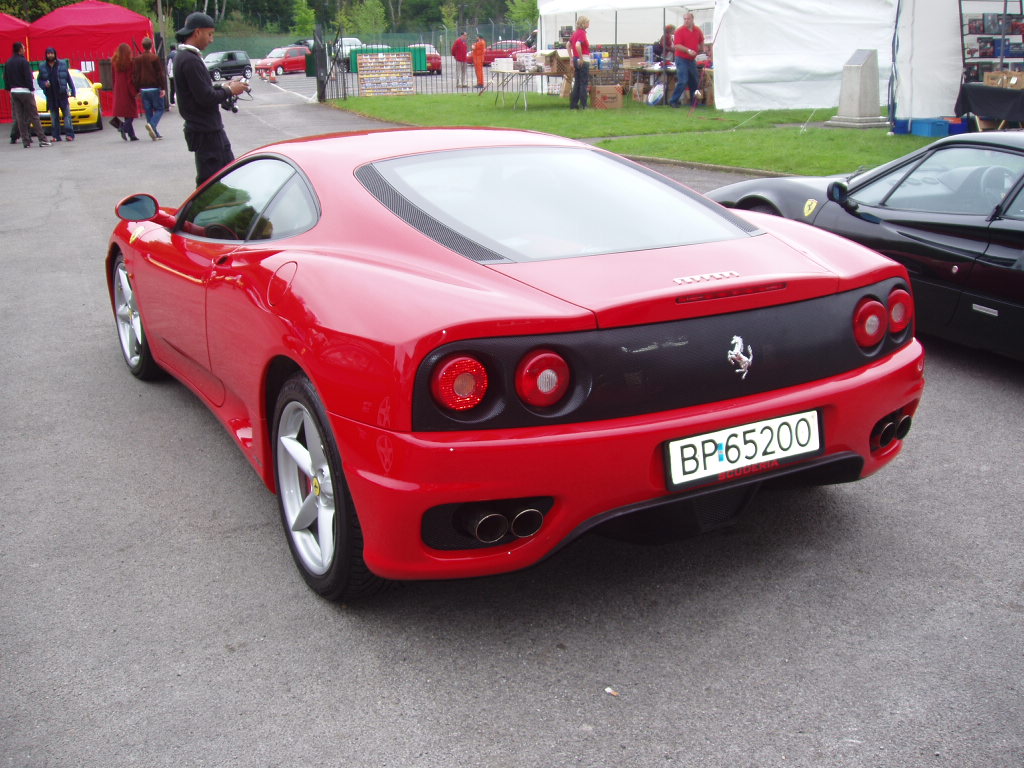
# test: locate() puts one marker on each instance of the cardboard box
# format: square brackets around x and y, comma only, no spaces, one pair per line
[996,79]
[1014,80]
[606,97]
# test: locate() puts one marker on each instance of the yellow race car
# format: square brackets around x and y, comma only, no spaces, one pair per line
[85,104]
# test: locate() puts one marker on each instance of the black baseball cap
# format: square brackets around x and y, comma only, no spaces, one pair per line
[194,21]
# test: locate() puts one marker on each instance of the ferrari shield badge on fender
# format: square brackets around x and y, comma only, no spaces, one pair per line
[738,358]
[809,207]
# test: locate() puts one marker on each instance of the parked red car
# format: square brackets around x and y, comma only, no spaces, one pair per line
[505,49]
[437,386]
[433,58]
[283,60]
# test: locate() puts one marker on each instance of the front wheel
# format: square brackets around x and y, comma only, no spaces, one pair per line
[216,74]
[130,331]
[317,512]
[279,70]
[247,73]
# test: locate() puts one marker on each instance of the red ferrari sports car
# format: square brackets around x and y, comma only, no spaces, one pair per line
[438,384]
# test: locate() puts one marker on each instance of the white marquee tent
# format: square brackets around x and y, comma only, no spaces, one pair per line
[774,54]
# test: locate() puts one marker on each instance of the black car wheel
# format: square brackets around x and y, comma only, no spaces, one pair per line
[215,74]
[247,73]
[317,512]
[763,208]
[130,331]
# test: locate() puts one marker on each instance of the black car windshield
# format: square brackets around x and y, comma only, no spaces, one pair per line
[213,58]
[536,203]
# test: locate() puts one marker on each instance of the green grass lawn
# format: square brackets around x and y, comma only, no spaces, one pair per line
[784,141]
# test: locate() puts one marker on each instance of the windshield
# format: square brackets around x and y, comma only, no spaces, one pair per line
[213,58]
[277,53]
[537,203]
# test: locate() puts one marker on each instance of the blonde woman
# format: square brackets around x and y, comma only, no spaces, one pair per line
[579,48]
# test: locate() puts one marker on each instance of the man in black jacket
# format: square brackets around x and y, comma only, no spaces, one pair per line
[18,75]
[199,99]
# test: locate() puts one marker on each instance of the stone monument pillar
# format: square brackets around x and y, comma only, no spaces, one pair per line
[858,93]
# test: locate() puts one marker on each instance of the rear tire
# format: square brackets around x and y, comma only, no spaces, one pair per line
[763,208]
[316,507]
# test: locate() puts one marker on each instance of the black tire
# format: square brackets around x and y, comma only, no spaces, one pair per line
[311,492]
[99,120]
[247,73]
[279,71]
[215,74]
[763,207]
[130,332]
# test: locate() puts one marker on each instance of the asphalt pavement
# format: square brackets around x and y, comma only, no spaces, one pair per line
[150,613]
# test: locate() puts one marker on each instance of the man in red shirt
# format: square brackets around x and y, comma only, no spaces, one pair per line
[688,43]
[460,52]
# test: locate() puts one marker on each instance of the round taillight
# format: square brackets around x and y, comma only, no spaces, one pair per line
[901,310]
[870,322]
[542,378]
[459,383]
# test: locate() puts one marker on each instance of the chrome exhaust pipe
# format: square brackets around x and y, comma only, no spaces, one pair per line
[903,427]
[884,432]
[486,527]
[525,522]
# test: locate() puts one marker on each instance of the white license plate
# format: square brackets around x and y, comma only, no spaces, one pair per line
[749,449]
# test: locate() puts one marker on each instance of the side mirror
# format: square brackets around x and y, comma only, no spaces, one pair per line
[839,193]
[97,87]
[143,208]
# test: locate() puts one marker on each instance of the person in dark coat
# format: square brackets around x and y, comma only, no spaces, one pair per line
[18,78]
[150,78]
[56,82]
[199,99]
[125,92]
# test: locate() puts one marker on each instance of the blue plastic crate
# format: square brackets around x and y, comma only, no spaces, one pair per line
[929,127]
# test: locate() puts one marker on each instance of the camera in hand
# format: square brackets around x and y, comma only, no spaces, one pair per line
[231,105]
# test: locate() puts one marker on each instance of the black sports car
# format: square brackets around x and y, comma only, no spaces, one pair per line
[951,212]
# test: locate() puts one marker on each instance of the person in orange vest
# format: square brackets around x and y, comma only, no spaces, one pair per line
[478,59]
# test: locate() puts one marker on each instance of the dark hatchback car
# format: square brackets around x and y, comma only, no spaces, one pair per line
[951,212]
[224,65]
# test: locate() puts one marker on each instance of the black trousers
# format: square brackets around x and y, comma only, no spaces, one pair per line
[580,85]
[212,150]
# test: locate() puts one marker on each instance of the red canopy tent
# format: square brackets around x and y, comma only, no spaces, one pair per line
[12,31]
[87,33]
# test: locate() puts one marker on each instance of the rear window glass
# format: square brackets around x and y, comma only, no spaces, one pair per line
[537,203]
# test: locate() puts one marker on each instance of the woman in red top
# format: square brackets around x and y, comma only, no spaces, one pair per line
[478,59]
[579,47]
[125,92]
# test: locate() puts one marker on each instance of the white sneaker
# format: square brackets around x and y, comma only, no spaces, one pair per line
[151,131]
[697,95]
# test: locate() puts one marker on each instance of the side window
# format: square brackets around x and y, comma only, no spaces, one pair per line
[964,180]
[227,208]
[1015,210]
[293,211]
[231,56]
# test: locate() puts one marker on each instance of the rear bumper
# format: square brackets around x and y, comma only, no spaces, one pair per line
[590,470]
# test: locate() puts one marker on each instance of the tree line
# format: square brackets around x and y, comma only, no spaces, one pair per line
[357,17]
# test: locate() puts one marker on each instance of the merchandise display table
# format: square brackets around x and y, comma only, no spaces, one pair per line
[503,81]
[985,101]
